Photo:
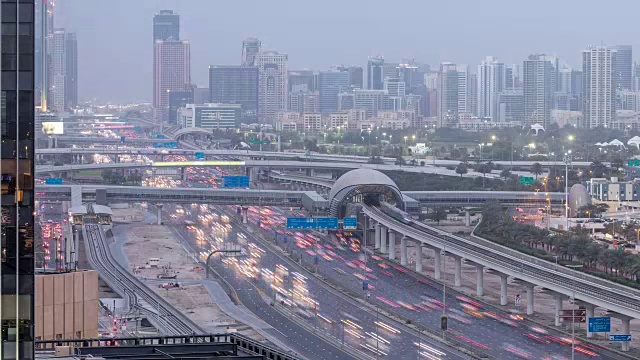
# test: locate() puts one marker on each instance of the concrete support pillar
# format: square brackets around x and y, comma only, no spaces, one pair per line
[479,280]
[310,172]
[183,172]
[245,213]
[159,214]
[403,251]
[467,218]
[458,269]
[392,245]
[383,239]
[377,244]
[530,299]
[625,330]
[589,310]
[504,297]
[437,267]
[558,317]
[419,257]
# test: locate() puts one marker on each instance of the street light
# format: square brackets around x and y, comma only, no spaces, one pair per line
[220,251]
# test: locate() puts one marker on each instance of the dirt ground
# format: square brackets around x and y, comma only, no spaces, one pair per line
[153,241]
[544,303]
[127,216]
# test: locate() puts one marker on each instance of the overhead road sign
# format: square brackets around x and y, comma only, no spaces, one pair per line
[199,155]
[301,223]
[53,181]
[527,180]
[327,223]
[230,181]
[624,338]
[599,324]
[350,223]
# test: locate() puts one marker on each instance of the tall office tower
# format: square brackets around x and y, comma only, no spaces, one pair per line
[356,76]
[623,68]
[412,75]
[571,85]
[599,92]
[304,102]
[39,33]
[250,48]
[17,167]
[472,94]
[231,84]
[389,70]
[491,82]
[636,77]
[331,83]
[178,99]
[448,93]
[510,106]
[370,100]
[375,73]
[512,77]
[538,82]
[272,85]
[58,67]
[302,80]
[346,101]
[166,26]
[71,71]
[172,72]
[395,87]
[463,89]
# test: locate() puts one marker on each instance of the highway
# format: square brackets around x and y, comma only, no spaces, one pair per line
[590,289]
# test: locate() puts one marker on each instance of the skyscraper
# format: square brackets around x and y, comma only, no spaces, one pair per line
[232,84]
[448,94]
[330,84]
[58,57]
[166,26]
[302,80]
[491,82]
[599,92]
[539,84]
[17,166]
[356,75]
[71,71]
[375,73]
[623,72]
[250,48]
[172,72]
[272,85]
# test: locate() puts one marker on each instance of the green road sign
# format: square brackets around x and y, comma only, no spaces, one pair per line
[527,180]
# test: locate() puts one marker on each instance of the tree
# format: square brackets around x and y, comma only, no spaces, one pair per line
[592,210]
[437,215]
[422,163]
[461,169]
[536,168]
[505,174]
[108,175]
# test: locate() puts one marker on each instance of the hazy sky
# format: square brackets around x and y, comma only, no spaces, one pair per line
[115,36]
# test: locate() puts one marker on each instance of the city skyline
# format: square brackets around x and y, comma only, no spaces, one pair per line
[220,42]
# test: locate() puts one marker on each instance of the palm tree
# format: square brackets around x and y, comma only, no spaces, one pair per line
[536,168]
[505,174]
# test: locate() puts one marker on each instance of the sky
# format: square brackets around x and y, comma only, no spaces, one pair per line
[115,45]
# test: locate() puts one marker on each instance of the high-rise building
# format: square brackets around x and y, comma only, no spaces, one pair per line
[43,37]
[472,94]
[304,102]
[512,77]
[172,72]
[569,96]
[636,77]
[623,68]
[599,92]
[389,70]
[302,80]
[375,73]
[510,106]
[539,83]
[356,76]
[232,84]
[331,83]
[395,87]
[58,57]
[178,99]
[272,85]
[448,95]
[250,48]
[412,75]
[491,82]
[166,26]
[370,100]
[17,167]
[71,71]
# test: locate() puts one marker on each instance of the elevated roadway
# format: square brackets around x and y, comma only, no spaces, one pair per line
[565,282]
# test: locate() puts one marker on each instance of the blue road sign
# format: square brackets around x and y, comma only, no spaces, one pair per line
[301,223]
[122,139]
[365,285]
[53,181]
[231,181]
[199,156]
[327,223]
[625,337]
[350,223]
[599,324]
[160,136]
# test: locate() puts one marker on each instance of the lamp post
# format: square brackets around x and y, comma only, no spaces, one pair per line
[220,251]
[567,161]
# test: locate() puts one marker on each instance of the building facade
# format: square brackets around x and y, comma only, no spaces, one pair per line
[230,84]
[510,106]
[211,116]
[172,72]
[166,26]
[491,82]
[356,76]
[330,84]
[599,92]
[538,85]
[178,99]
[375,73]
[370,100]
[71,71]
[623,67]
[250,48]
[16,162]
[272,85]
[58,57]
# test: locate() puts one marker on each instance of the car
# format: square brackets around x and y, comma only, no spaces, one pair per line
[537,338]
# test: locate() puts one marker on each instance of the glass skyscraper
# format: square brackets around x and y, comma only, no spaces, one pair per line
[16,165]
[166,26]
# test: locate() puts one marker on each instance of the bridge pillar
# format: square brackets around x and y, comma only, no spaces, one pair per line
[419,257]
[467,218]
[245,212]
[159,214]
[437,267]
[458,269]
[530,294]
[310,172]
[589,310]
[403,251]
[625,330]
[479,280]
[383,239]
[504,298]
[558,318]
[183,174]
[377,244]
[392,245]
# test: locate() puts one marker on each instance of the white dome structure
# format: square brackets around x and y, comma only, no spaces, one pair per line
[634,141]
[359,182]
[578,197]
[616,142]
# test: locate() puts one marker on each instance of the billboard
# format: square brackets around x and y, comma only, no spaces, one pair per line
[52,127]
